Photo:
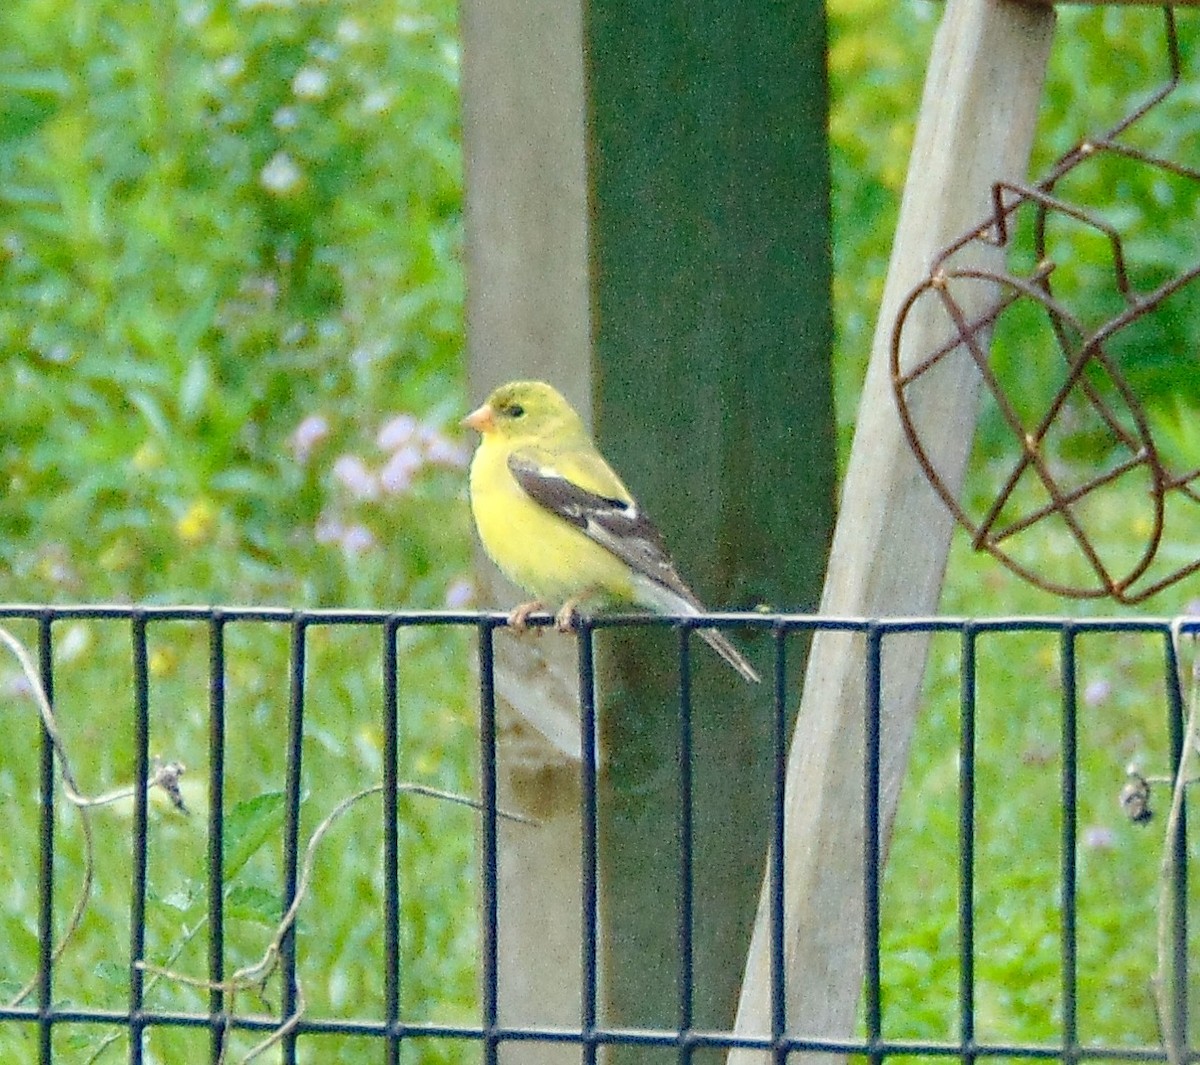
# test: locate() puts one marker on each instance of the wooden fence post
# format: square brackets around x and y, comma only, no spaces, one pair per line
[528,316]
[711,253]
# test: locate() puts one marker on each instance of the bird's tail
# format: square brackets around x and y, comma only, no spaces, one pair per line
[677,599]
[727,651]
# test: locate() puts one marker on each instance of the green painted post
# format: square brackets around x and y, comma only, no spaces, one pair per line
[711,262]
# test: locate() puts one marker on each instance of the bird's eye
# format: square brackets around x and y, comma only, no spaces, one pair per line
[514,410]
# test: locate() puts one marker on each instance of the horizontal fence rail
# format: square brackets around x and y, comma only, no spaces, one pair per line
[230,742]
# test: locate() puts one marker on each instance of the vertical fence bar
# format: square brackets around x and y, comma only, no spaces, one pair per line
[46,854]
[141,770]
[291,830]
[966,844]
[216,834]
[779,741]
[588,880]
[871,857]
[488,861]
[686,884]
[391,847]
[1070,1033]
[1177,721]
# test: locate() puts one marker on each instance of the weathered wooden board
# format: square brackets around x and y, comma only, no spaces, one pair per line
[976,126]
[528,316]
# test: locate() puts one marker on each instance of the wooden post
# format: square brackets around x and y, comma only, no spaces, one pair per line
[712,262]
[976,127]
[710,259]
[528,316]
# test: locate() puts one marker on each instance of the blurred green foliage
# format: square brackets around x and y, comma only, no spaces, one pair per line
[341,924]
[1123,715]
[216,220]
[230,363]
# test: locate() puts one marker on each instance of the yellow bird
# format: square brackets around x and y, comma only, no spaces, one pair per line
[558,521]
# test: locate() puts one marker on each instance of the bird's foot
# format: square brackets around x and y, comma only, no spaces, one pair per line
[518,619]
[566,617]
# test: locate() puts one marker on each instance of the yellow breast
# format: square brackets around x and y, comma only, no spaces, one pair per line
[545,555]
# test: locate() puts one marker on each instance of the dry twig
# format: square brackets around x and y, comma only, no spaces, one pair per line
[1164,975]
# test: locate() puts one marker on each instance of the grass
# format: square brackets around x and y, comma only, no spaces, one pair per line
[221,226]
[1123,720]
[341,930]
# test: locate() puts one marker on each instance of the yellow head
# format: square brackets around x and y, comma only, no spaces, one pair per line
[526,410]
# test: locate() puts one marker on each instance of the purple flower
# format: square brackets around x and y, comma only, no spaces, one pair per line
[328,529]
[460,593]
[352,472]
[442,451]
[1099,838]
[17,685]
[307,435]
[397,473]
[356,539]
[396,432]
[310,83]
[1096,692]
[281,176]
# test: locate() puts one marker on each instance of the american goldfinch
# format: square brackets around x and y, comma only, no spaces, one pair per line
[560,524]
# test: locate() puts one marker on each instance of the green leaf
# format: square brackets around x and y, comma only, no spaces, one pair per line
[194,388]
[112,973]
[252,902]
[150,409]
[28,100]
[197,322]
[248,826]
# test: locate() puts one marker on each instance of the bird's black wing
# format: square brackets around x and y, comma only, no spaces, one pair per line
[616,524]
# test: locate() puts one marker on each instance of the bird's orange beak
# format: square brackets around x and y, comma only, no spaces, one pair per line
[482,420]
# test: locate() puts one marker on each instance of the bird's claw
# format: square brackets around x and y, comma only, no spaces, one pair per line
[518,619]
[564,620]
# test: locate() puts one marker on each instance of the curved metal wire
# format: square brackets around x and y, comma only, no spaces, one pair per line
[1092,376]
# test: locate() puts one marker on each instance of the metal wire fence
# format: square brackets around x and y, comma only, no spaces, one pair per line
[1110,686]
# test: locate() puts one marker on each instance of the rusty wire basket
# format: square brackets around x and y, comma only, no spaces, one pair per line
[1088,398]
